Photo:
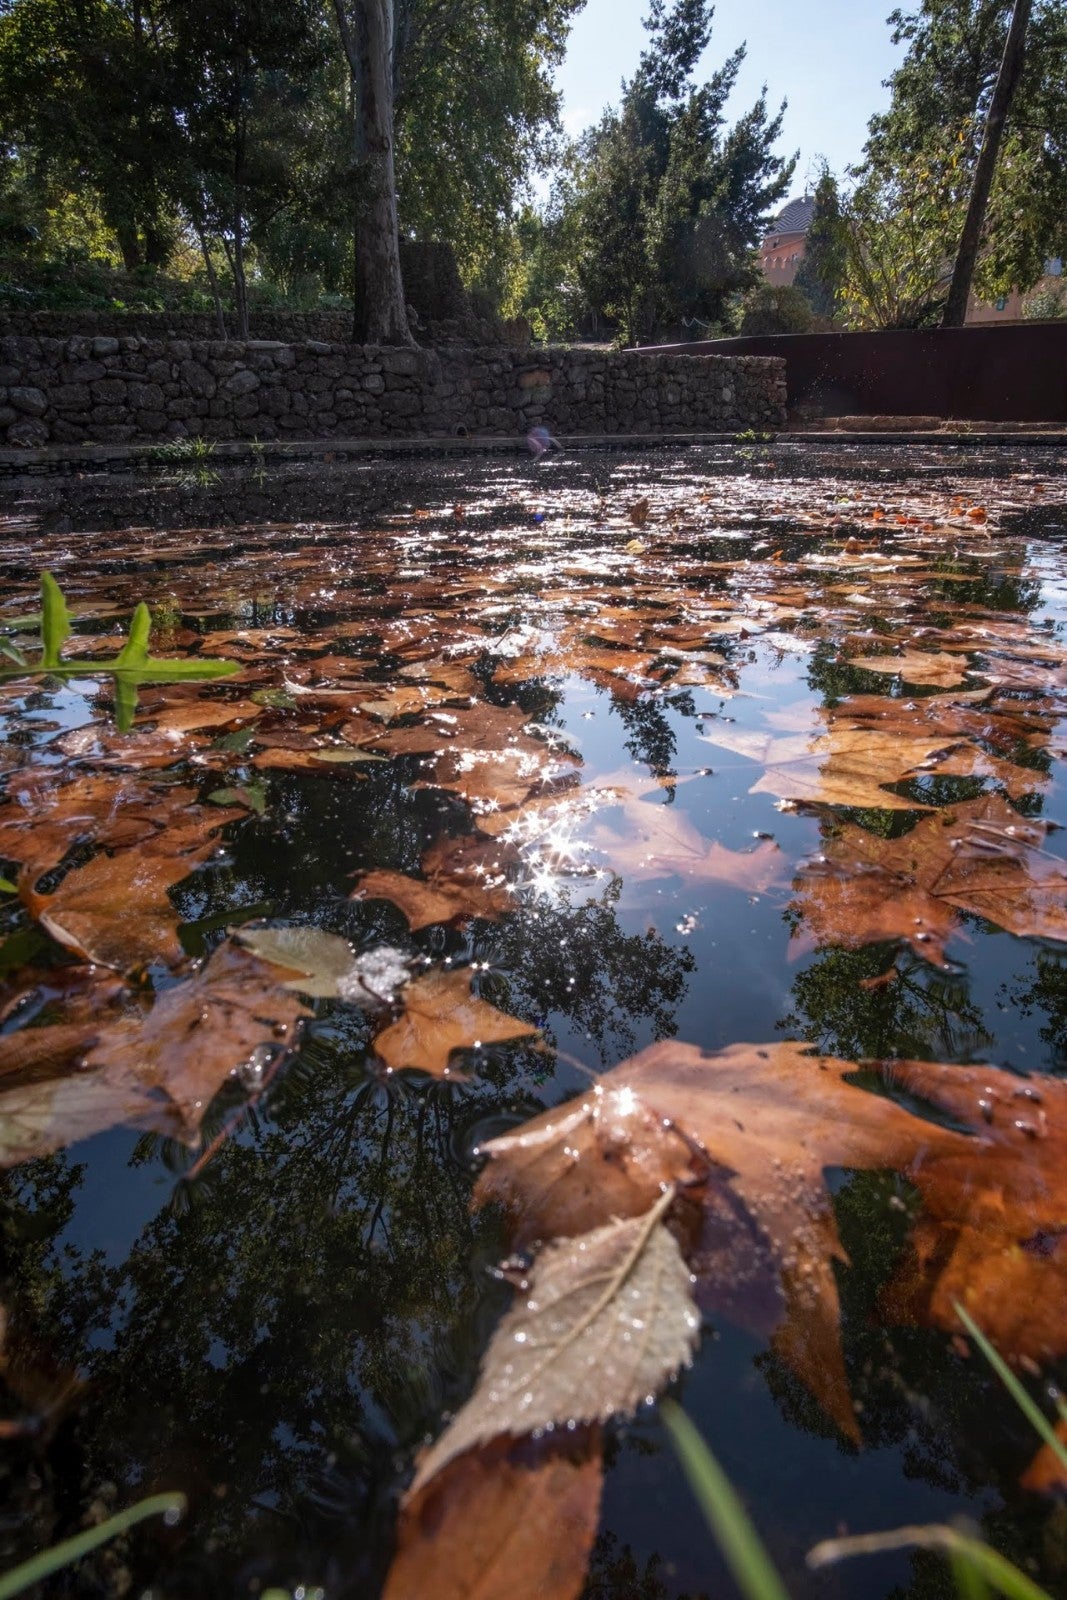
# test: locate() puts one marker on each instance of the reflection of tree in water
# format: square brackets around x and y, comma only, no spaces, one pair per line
[286,1332]
[918,1011]
[282,1336]
[1044,988]
[649,735]
[615,1574]
[954,1424]
[569,955]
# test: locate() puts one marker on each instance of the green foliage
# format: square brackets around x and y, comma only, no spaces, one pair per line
[132,666]
[466,137]
[1047,301]
[901,224]
[775,308]
[137,131]
[662,203]
[907,213]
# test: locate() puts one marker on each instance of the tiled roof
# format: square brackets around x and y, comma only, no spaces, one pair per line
[796,216]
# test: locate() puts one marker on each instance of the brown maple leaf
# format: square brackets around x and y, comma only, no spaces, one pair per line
[833,765]
[477,1530]
[748,1132]
[465,877]
[156,1070]
[981,857]
[441,1015]
[115,910]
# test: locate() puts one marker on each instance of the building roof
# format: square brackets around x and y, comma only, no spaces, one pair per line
[795,216]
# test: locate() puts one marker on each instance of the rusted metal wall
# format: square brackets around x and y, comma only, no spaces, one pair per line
[1016,374]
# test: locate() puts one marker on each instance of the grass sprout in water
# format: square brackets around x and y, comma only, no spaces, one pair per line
[132,667]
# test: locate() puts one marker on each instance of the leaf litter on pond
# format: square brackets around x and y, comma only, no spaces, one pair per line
[423,681]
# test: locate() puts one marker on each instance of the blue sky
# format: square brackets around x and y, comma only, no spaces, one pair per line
[826,57]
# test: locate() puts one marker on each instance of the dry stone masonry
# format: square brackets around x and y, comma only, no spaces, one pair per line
[113,389]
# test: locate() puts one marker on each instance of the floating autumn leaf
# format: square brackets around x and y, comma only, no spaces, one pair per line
[156,1071]
[833,765]
[464,878]
[100,745]
[1047,1473]
[197,1033]
[991,1237]
[116,910]
[329,968]
[441,1015]
[605,1321]
[388,703]
[477,1530]
[177,716]
[981,857]
[770,1120]
[659,840]
[988,735]
[939,668]
[48,812]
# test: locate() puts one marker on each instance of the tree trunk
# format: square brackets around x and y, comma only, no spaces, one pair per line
[955,313]
[380,312]
[213,280]
[129,245]
[240,283]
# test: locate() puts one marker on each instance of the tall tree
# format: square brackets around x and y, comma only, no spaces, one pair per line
[368,35]
[672,202]
[467,139]
[941,96]
[86,88]
[993,132]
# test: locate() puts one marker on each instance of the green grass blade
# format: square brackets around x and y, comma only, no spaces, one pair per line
[970,1583]
[55,623]
[61,1555]
[983,1563]
[738,1540]
[1030,1410]
[125,701]
[164,670]
[134,652]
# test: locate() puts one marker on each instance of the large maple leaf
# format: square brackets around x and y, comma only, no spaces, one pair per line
[980,857]
[748,1134]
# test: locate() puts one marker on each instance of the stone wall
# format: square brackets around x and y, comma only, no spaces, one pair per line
[111,390]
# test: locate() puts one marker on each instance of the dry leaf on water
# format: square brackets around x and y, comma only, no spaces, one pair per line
[603,1322]
[992,1236]
[441,1015]
[515,1518]
[329,968]
[156,1071]
[937,667]
[770,1120]
[981,857]
[423,903]
[1046,1473]
[116,910]
[197,1033]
